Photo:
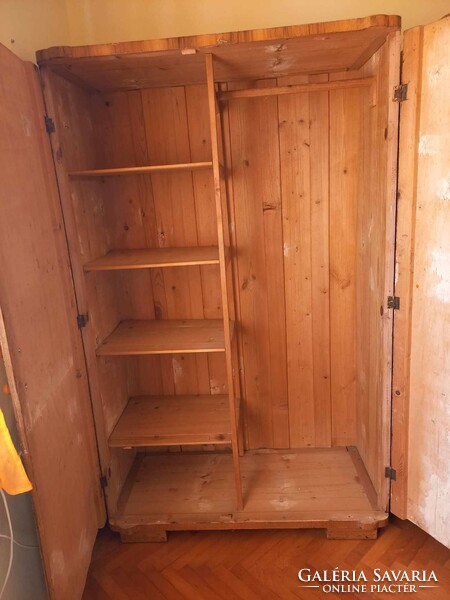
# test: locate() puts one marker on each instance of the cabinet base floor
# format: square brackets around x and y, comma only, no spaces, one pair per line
[283,489]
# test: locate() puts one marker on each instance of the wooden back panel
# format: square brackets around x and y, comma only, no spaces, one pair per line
[40,340]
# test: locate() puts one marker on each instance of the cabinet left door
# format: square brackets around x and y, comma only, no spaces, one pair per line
[40,340]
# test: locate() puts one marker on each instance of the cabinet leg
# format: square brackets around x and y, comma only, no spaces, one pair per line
[140,535]
[352,531]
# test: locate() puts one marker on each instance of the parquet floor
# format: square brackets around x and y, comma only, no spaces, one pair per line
[256,565]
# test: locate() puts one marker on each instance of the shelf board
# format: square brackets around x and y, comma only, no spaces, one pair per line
[165,337]
[173,420]
[154,258]
[194,166]
[285,488]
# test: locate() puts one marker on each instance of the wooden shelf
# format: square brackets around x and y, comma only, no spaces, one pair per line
[283,488]
[173,420]
[154,258]
[165,337]
[195,166]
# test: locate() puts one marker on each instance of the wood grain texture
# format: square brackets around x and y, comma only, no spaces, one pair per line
[281,488]
[293,88]
[346,145]
[404,271]
[429,423]
[244,55]
[40,342]
[222,219]
[168,336]
[154,258]
[78,118]
[173,420]
[303,126]
[255,163]
[139,170]
[311,178]
[375,269]
[250,565]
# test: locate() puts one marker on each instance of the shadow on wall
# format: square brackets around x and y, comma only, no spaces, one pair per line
[26,581]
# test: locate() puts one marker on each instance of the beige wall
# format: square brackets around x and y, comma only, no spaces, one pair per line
[35,24]
[26,25]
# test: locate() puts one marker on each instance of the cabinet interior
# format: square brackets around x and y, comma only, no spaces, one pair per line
[309,187]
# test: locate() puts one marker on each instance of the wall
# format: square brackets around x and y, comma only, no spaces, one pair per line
[35,25]
[26,25]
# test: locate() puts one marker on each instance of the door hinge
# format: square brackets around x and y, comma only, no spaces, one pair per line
[49,124]
[400,93]
[390,473]
[103,481]
[82,321]
[393,302]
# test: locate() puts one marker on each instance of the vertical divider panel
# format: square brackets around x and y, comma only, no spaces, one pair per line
[223,271]
[229,190]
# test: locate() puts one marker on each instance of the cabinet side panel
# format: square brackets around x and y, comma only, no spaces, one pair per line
[406,218]
[375,268]
[79,123]
[40,340]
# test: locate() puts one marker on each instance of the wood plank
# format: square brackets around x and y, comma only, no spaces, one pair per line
[140,170]
[242,55]
[346,144]
[171,336]
[173,420]
[295,148]
[255,165]
[153,258]
[304,141]
[404,268]
[281,489]
[222,224]
[429,415]
[282,90]
[40,342]
[320,261]
[375,268]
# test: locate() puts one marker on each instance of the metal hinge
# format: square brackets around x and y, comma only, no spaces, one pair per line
[49,124]
[82,321]
[390,473]
[393,302]
[103,481]
[400,92]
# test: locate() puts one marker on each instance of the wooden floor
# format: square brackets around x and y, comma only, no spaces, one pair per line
[254,565]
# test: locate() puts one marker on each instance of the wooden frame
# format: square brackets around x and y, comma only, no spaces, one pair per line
[407,182]
[227,135]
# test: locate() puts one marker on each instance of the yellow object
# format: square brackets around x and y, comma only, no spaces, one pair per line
[13,478]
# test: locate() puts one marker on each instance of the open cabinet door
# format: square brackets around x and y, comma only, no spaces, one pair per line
[421,385]
[40,340]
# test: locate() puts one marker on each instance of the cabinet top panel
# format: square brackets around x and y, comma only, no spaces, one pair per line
[242,55]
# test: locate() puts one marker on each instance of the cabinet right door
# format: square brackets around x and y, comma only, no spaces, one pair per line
[421,379]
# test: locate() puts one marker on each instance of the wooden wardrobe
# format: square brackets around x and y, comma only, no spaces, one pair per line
[198,283]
